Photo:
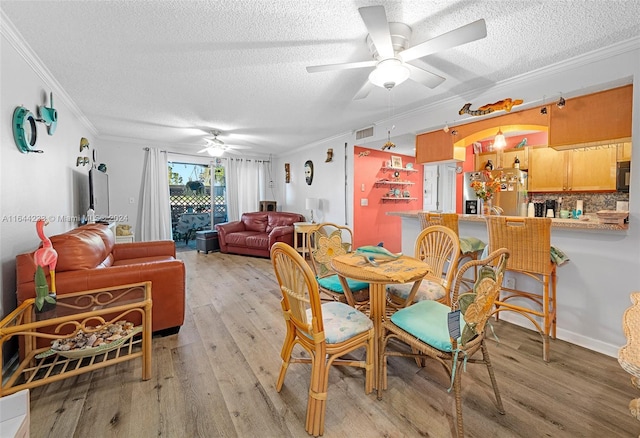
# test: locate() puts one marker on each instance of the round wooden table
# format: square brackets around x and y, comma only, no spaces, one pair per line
[401,270]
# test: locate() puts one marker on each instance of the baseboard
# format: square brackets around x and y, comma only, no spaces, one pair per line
[566,335]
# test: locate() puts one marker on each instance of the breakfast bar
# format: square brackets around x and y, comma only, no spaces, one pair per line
[593,287]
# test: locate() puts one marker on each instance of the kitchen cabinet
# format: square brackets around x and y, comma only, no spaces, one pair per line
[624,151]
[577,170]
[593,118]
[437,147]
[503,159]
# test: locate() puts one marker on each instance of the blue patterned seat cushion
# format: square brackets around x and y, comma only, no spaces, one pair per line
[342,321]
[427,321]
[332,283]
[428,290]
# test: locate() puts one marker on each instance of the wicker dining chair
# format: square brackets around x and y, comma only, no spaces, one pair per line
[326,241]
[528,240]
[470,247]
[439,247]
[326,331]
[424,327]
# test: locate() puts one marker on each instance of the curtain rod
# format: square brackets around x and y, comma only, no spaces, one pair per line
[212,158]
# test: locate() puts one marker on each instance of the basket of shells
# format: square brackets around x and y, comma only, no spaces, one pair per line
[92,341]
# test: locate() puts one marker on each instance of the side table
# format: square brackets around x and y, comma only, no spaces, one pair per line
[302,229]
[73,312]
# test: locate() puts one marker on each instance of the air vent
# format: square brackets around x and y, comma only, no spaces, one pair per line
[364,133]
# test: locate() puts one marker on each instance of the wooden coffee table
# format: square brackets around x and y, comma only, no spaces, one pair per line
[73,312]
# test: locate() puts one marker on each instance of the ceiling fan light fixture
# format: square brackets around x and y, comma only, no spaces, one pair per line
[215,152]
[499,141]
[389,73]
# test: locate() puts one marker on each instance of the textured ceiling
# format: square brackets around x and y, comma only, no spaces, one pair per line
[166,71]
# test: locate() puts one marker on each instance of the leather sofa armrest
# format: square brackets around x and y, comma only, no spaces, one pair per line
[227,228]
[282,233]
[135,250]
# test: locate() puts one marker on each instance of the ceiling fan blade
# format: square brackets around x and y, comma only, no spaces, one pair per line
[424,77]
[203,150]
[345,66]
[363,91]
[238,147]
[375,19]
[457,37]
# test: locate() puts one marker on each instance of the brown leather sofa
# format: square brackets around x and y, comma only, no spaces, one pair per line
[255,233]
[89,258]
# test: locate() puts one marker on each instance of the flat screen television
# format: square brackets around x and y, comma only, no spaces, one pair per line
[99,193]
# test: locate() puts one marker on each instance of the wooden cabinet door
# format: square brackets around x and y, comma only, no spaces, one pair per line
[481,160]
[547,170]
[592,118]
[509,156]
[624,151]
[437,146]
[592,169]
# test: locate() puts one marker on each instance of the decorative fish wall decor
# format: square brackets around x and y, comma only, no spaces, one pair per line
[505,104]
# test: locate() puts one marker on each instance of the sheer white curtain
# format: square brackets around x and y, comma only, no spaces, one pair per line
[155,206]
[246,185]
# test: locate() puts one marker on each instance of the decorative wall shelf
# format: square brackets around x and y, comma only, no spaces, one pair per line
[400,169]
[390,198]
[393,183]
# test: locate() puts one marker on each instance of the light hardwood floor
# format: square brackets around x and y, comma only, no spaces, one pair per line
[217,378]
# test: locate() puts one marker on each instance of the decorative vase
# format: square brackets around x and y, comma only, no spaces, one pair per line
[486,207]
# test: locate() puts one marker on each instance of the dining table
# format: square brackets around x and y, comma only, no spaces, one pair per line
[403,269]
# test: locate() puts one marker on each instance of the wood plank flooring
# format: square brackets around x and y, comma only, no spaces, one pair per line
[216,378]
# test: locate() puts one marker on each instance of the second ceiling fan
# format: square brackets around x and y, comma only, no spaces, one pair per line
[216,147]
[388,43]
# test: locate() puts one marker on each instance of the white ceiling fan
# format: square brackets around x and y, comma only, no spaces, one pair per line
[216,147]
[388,43]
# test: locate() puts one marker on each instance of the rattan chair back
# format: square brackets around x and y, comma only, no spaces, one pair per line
[439,247]
[326,241]
[449,220]
[528,239]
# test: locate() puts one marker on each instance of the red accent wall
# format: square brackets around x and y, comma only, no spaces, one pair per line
[371,225]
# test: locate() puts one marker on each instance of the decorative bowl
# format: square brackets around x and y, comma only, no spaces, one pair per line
[612,216]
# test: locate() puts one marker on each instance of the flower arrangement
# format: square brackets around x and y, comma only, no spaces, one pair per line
[487,188]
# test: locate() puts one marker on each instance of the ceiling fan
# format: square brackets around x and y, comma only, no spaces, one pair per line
[388,43]
[216,147]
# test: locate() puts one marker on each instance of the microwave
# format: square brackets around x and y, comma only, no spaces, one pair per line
[623,175]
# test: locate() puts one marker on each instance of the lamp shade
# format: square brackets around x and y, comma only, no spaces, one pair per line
[311,203]
[499,141]
[389,73]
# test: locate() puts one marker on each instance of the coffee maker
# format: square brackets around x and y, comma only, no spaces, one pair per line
[550,205]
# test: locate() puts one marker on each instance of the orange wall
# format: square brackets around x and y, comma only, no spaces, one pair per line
[371,225]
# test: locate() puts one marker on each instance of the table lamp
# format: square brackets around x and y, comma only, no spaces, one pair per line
[312,204]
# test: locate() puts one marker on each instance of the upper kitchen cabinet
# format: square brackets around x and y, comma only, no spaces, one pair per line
[438,147]
[576,170]
[592,119]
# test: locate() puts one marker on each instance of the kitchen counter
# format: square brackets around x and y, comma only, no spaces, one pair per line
[592,224]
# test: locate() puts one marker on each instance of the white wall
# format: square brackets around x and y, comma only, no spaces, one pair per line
[34,185]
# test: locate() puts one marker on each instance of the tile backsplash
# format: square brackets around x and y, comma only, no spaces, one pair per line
[593,202]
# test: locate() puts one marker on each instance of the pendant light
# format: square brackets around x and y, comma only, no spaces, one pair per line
[499,141]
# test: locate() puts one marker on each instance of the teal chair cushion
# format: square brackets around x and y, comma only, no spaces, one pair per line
[428,290]
[332,283]
[342,322]
[427,321]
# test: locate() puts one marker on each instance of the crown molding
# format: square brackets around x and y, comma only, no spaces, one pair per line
[24,50]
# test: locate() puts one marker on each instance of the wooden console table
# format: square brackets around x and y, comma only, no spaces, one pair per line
[74,312]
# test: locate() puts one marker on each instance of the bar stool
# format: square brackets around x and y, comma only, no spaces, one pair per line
[528,239]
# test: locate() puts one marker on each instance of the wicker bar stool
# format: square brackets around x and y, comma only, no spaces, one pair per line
[629,355]
[470,247]
[529,242]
